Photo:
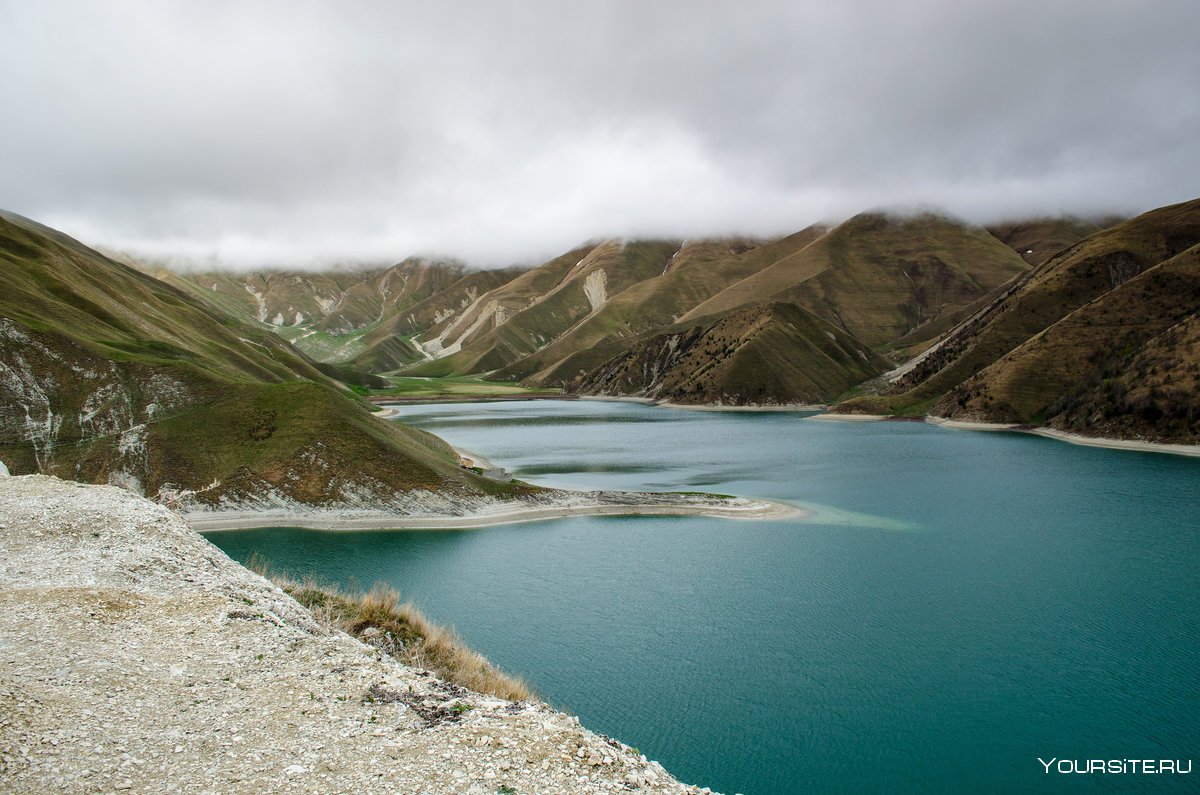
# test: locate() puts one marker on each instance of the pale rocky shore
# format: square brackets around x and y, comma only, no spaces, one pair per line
[135,656]
[551,504]
[1137,445]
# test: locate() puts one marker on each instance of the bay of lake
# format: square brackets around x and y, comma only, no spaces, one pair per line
[957,605]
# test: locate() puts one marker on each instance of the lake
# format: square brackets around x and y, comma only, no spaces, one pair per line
[958,604]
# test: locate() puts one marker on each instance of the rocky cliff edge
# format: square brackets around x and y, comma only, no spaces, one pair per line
[136,656]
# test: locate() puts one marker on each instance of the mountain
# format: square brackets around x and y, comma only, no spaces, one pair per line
[388,345]
[582,320]
[273,298]
[515,320]
[762,354]
[892,282]
[1039,239]
[110,375]
[695,272]
[611,316]
[1097,339]
[326,314]
[395,290]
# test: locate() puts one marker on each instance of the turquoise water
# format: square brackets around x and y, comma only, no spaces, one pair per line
[959,604]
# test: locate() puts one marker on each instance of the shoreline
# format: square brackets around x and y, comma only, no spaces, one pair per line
[1191,450]
[1128,445]
[941,422]
[384,400]
[796,407]
[341,520]
[387,402]
[971,425]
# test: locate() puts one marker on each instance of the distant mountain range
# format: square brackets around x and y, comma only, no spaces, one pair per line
[1085,326]
[802,319]
[885,283]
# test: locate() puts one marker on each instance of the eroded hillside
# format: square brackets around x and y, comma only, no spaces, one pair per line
[108,375]
[1095,340]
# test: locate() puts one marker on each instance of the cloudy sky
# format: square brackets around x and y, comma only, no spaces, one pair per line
[298,133]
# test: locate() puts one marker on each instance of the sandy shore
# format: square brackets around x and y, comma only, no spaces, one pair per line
[621,399]
[1117,444]
[964,425]
[349,520]
[1070,438]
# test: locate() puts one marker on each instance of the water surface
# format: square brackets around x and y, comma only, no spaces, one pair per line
[958,605]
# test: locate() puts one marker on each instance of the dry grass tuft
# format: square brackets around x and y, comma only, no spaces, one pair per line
[380,619]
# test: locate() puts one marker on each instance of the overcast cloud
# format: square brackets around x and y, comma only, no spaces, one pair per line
[296,133]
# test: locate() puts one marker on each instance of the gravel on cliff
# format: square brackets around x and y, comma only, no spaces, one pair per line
[135,656]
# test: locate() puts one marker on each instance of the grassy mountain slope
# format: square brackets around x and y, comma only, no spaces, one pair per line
[1096,290]
[773,353]
[1150,393]
[391,352]
[277,298]
[388,345]
[882,279]
[393,291]
[1093,363]
[1039,239]
[109,375]
[697,271]
[326,314]
[490,310]
[549,301]
[891,283]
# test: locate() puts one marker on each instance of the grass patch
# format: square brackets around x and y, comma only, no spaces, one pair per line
[380,619]
[323,346]
[456,387]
